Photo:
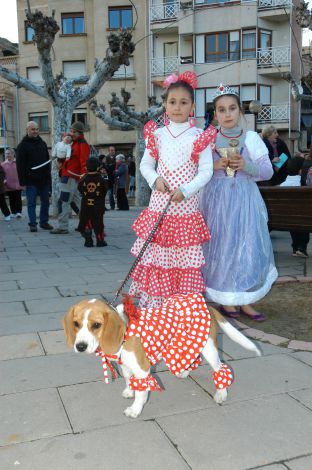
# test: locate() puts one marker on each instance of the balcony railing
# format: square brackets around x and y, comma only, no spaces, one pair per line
[164,11]
[274,113]
[263,4]
[8,61]
[273,56]
[164,65]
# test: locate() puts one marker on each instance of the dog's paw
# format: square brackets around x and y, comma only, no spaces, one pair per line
[128,393]
[183,374]
[220,396]
[132,412]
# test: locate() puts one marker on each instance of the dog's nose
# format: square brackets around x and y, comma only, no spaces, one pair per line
[81,347]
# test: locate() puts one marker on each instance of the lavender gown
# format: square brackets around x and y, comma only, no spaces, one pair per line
[239,264]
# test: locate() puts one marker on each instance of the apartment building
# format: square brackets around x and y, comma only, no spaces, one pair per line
[247,44]
[84,27]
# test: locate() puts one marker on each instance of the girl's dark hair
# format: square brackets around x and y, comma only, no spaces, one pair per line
[233,96]
[180,84]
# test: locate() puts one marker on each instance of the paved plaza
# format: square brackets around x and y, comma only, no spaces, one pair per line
[57,413]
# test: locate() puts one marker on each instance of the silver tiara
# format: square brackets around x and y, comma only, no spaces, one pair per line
[224,90]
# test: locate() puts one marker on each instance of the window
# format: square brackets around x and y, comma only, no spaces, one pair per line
[34,75]
[125,71]
[73,23]
[80,115]
[74,69]
[221,47]
[212,2]
[120,17]
[41,119]
[249,44]
[248,93]
[265,39]
[29,33]
[203,101]
[265,94]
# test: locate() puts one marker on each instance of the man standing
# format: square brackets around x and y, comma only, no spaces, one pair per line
[34,172]
[110,163]
[71,172]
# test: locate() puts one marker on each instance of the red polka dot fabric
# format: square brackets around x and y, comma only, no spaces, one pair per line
[148,383]
[176,332]
[223,378]
[172,262]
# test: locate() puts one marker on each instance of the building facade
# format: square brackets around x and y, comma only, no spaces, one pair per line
[246,44]
[84,27]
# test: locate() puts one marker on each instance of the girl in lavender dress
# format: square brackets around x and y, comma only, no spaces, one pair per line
[239,267]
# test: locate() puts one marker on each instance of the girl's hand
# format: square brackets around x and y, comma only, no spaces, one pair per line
[220,164]
[237,163]
[177,195]
[161,185]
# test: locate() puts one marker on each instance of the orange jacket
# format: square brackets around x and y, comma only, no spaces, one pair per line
[75,167]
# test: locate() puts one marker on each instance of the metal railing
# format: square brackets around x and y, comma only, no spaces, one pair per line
[273,56]
[164,11]
[274,4]
[274,113]
[164,65]
[8,61]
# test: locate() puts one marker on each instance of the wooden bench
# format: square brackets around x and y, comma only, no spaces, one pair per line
[289,208]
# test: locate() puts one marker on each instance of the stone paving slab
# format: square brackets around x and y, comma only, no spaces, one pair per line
[52,305]
[237,352]
[12,309]
[304,396]
[32,415]
[273,467]
[260,376]
[263,429]
[180,395]
[48,371]
[134,446]
[7,285]
[54,342]
[30,323]
[29,294]
[304,463]
[20,346]
[303,356]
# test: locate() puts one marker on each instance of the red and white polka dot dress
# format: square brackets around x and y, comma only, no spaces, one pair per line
[177,332]
[172,261]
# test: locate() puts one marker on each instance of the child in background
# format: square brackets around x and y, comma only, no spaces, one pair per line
[92,188]
[172,261]
[239,266]
[300,240]
[60,153]
[62,150]
[12,187]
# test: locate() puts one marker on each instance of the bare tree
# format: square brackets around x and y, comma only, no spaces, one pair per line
[66,94]
[123,117]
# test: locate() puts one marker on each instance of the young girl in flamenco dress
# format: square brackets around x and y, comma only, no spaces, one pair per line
[177,163]
[239,267]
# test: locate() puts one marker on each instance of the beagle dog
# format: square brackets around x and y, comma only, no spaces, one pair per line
[181,331]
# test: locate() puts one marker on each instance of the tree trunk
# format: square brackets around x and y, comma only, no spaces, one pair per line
[143,192]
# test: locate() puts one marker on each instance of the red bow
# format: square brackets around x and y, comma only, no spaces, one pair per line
[106,363]
[188,77]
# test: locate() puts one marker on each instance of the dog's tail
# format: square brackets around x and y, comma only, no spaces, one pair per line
[235,334]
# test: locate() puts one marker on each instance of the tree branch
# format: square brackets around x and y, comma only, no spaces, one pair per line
[100,113]
[19,81]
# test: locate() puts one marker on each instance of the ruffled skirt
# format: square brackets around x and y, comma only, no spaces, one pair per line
[172,261]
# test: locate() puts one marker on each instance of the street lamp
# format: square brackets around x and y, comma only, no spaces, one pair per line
[255,107]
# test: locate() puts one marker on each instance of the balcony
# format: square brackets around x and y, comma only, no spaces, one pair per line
[164,12]
[9,62]
[161,66]
[273,60]
[274,113]
[263,4]
[274,10]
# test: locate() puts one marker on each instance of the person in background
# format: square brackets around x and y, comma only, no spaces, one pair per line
[3,205]
[278,154]
[34,172]
[71,172]
[132,172]
[110,162]
[300,240]
[121,174]
[93,189]
[12,187]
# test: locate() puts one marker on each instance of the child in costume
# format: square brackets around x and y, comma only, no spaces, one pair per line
[172,261]
[60,153]
[92,187]
[239,258]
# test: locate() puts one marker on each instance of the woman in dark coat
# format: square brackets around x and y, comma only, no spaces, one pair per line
[276,148]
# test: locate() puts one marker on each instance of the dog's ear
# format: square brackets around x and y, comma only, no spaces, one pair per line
[69,327]
[113,332]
